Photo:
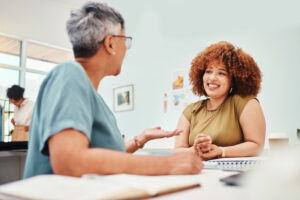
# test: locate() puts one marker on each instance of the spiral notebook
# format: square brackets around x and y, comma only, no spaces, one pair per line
[234,164]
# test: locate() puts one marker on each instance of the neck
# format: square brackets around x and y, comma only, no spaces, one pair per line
[94,68]
[21,101]
[214,103]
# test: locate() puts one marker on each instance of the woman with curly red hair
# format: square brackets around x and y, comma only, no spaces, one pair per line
[230,121]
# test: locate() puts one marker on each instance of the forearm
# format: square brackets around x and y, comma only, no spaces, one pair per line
[243,150]
[103,161]
[184,149]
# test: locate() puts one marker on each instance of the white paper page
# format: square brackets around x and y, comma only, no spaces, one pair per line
[61,187]
[154,184]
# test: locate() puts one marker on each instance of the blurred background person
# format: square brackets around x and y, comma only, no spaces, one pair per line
[22,113]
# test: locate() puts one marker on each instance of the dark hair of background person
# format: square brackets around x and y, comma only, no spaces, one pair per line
[15,92]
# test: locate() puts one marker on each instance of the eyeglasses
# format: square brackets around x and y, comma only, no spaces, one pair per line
[127,40]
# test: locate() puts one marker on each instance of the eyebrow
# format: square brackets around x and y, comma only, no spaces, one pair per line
[221,69]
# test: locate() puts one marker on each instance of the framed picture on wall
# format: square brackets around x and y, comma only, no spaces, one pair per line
[123,98]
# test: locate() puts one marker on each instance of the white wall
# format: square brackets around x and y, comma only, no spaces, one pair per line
[167,35]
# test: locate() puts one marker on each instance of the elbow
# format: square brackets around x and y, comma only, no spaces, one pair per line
[258,148]
[66,167]
[67,171]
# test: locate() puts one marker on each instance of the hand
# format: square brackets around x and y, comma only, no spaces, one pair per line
[157,132]
[184,163]
[202,143]
[214,152]
[13,121]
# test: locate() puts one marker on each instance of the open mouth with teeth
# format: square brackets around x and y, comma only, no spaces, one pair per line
[210,85]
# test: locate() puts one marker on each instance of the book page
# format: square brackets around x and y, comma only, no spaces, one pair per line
[154,184]
[62,187]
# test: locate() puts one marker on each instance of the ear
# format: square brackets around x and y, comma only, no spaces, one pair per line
[109,45]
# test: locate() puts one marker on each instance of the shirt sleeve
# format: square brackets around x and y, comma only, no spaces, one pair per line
[64,102]
[240,103]
[188,111]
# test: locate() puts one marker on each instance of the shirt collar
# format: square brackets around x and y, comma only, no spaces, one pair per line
[24,103]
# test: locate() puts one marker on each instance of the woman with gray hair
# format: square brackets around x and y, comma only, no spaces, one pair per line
[73,132]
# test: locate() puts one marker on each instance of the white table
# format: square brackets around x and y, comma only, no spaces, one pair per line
[211,188]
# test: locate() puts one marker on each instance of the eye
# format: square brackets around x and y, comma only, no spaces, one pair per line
[208,71]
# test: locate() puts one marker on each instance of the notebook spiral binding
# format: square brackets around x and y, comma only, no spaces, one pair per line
[233,165]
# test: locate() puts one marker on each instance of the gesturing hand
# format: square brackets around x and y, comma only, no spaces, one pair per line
[157,132]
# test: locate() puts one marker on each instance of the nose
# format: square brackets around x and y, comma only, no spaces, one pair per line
[212,76]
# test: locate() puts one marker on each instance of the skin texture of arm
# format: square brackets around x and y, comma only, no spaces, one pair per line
[70,155]
[182,140]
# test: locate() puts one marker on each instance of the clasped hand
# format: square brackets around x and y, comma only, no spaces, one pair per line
[204,148]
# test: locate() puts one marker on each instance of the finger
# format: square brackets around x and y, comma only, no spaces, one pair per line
[172,133]
[203,140]
[205,147]
[178,131]
[201,135]
[198,148]
[200,140]
[157,127]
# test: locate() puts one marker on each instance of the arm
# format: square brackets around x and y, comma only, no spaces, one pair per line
[70,155]
[253,125]
[182,140]
[147,135]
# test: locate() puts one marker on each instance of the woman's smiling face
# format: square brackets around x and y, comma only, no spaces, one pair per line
[216,80]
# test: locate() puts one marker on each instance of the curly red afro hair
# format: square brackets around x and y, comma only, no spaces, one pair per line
[243,70]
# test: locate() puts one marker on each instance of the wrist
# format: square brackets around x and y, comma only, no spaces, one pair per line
[222,153]
[140,141]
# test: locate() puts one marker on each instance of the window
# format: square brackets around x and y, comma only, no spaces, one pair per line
[10,51]
[44,58]
[33,82]
[8,77]
[25,68]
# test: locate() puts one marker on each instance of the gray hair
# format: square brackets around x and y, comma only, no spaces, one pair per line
[88,27]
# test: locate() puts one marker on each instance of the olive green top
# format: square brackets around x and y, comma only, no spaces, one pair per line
[222,124]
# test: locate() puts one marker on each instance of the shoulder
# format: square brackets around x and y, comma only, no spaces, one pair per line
[240,102]
[29,102]
[238,99]
[64,79]
[67,70]
[194,106]
[67,74]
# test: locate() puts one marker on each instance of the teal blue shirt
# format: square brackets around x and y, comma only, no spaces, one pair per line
[67,99]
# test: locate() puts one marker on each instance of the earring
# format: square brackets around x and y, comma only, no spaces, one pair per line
[230,91]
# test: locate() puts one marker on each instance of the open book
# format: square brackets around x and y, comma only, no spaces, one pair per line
[120,186]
